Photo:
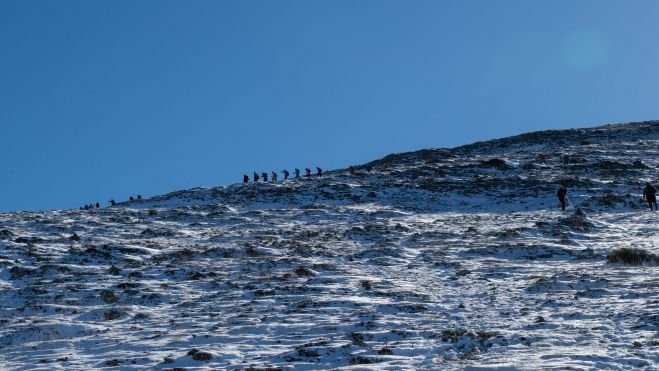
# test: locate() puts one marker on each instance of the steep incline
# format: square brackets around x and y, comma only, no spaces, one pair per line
[444,258]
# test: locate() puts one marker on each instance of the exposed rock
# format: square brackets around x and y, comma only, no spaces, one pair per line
[198,355]
[108,297]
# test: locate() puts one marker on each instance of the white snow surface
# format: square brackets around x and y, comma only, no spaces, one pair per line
[432,261]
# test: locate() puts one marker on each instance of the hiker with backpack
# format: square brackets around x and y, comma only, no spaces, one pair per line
[307,172]
[562,196]
[256,177]
[286,174]
[319,171]
[650,195]
[274,176]
[297,172]
[245,178]
[264,175]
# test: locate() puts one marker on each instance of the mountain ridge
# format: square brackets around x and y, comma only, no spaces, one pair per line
[437,259]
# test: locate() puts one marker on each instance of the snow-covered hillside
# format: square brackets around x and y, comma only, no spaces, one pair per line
[437,259]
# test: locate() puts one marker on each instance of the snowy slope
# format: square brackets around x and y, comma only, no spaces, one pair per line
[438,259]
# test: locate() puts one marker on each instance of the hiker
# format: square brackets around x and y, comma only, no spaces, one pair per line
[351,170]
[274,176]
[650,195]
[562,196]
[98,206]
[307,172]
[319,171]
[264,176]
[286,173]
[297,172]
[245,178]
[139,197]
[542,159]
[369,168]
[256,177]
[112,202]
[566,159]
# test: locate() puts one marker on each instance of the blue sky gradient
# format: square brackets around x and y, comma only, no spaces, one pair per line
[107,99]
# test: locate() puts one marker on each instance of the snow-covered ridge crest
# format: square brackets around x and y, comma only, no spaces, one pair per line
[608,167]
[436,259]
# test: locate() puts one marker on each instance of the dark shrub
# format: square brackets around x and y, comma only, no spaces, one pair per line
[632,256]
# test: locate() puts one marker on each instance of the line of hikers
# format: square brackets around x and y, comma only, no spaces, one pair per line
[264,176]
[649,194]
[91,206]
[307,174]
[112,202]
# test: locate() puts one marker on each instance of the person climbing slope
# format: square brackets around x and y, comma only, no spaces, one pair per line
[286,174]
[245,178]
[562,196]
[307,172]
[650,195]
[297,172]
[274,176]
[264,175]
[256,177]
[319,171]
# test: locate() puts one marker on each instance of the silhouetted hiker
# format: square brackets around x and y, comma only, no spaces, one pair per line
[245,178]
[650,194]
[139,197]
[562,195]
[112,202]
[369,168]
[351,170]
[98,206]
[86,207]
[542,159]
[264,176]
[307,172]
[297,172]
[286,174]
[131,198]
[319,171]
[256,177]
[274,176]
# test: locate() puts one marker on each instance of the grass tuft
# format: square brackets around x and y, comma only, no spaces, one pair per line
[632,256]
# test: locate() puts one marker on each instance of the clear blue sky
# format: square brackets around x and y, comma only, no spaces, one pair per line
[106,99]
